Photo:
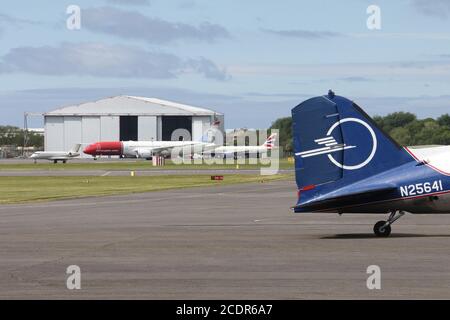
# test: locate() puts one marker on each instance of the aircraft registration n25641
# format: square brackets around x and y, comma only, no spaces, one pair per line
[345,163]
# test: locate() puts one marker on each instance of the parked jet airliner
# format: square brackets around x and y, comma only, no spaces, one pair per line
[56,156]
[344,163]
[269,144]
[139,149]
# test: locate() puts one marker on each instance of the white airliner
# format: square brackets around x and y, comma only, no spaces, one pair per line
[56,156]
[139,149]
[269,144]
[147,149]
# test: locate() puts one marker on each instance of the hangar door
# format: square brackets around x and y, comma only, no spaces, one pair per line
[72,132]
[128,128]
[179,125]
[90,127]
[54,133]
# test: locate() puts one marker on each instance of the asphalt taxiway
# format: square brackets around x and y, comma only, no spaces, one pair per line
[224,242]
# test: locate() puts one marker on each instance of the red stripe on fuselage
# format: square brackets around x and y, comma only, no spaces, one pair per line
[110,148]
[105,148]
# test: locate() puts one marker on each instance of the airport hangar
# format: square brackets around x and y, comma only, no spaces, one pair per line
[125,118]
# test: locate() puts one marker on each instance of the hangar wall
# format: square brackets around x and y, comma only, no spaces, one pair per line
[147,128]
[109,128]
[125,118]
[90,129]
[62,132]
[199,125]
[72,132]
[54,134]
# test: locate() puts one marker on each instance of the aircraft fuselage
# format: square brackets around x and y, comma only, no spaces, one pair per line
[419,186]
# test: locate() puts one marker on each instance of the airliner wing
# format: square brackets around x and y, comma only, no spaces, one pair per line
[161,149]
[147,152]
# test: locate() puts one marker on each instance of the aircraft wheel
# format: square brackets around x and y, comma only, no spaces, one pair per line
[380,231]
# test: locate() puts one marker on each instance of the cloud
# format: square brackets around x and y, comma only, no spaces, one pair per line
[130,2]
[9,20]
[188,4]
[437,8]
[207,68]
[356,79]
[422,106]
[276,95]
[304,34]
[134,25]
[102,60]
[431,69]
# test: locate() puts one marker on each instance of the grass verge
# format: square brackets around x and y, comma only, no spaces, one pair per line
[125,164]
[28,189]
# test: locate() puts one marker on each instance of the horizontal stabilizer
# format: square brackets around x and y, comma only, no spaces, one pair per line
[344,200]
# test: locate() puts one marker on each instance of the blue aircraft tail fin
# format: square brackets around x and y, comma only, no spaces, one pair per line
[335,140]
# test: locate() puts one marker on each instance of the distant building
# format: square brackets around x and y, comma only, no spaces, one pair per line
[126,118]
[38,131]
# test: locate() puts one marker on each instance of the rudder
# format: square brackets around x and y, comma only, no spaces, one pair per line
[335,139]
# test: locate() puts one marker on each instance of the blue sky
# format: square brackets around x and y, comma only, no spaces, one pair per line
[252,60]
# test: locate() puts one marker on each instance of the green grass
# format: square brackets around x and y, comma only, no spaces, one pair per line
[128,165]
[27,189]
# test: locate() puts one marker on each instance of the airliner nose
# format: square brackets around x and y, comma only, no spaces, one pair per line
[105,148]
[90,149]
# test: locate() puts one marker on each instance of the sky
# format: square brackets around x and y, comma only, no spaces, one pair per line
[253,60]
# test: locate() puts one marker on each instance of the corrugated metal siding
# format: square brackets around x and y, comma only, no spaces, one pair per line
[72,132]
[109,128]
[147,128]
[199,127]
[159,127]
[54,133]
[91,130]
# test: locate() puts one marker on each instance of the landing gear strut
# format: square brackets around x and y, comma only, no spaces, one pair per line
[383,228]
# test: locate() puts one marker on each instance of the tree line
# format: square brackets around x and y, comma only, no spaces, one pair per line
[403,127]
[10,135]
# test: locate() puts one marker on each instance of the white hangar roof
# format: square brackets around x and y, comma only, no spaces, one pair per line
[131,105]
